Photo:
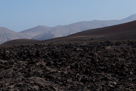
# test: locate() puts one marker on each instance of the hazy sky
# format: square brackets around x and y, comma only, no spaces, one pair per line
[19,15]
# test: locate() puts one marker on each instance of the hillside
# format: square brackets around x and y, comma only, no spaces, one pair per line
[32,32]
[7,34]
[79,62]
[126,31]
[45,32]
[64,30]
[18,42]
[121,31]
[43,36]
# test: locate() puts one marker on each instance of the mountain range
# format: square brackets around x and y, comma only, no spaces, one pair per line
[7,34]
[44,32]
[125,31]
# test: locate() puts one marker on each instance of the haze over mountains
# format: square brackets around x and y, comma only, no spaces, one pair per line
[125,31]
[6,34]
[45,32]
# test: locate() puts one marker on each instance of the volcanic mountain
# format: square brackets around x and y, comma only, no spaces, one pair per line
[126,31]
[7,34]
[43,36]
[32,32]
[44,32]
[41,32]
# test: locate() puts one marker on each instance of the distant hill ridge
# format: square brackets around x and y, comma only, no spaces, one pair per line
[116,32]
[7,34]
[126,31]
[32,32]
[45,32]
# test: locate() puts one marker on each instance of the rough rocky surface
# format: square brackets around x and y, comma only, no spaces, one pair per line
[97,66]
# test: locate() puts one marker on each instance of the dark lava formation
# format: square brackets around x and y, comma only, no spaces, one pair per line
[97,66]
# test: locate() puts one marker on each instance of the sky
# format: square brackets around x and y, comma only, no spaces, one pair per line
[19,15]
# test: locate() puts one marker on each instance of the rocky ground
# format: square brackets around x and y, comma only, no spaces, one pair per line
[97,66]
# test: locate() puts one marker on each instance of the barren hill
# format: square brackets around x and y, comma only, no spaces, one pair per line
[7,34]
[121,31]
[32,32]
[43,36]
[44,32]
[126,31]
[64,30]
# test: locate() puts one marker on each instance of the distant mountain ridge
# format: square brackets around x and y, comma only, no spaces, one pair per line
[120,32]
[45,32]
[64,30]
[125,31]
[32,32]
[7,34]
[43,36]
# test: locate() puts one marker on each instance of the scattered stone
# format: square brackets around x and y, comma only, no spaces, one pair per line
[95,66]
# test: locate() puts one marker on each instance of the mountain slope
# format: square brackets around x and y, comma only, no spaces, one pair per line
[36,31]
[64,30]
[43,36]
[85,25]
[121,31]
[126,31]
[44,32]
[17,42]
[6,35]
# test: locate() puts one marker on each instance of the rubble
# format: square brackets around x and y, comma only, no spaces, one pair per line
[94,66]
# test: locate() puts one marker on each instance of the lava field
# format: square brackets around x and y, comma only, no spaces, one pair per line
[93,66]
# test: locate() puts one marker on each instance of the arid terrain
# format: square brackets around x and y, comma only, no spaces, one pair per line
[67,45]
[42,32]
[125,31]
[102,59]
[92,66]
